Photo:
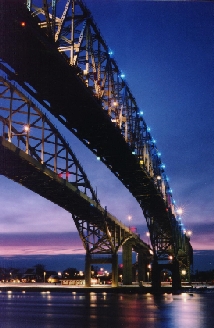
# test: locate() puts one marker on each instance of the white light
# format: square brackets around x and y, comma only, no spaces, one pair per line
[26,128]
[179,211]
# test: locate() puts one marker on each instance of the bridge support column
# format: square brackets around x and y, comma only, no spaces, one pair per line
[88,270]
[127,263]
[114,270]
[142,264]
[156,277]
[176,279]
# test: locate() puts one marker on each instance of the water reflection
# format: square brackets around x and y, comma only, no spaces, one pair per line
[95,310]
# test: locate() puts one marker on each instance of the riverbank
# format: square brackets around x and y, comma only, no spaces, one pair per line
[130,289]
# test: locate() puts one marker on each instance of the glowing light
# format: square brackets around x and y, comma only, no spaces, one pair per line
[179,211]
[98,158]
[23,24]
[148,129]
[129,217]
[158,177]
[159,154]
[122,75]
[26,128]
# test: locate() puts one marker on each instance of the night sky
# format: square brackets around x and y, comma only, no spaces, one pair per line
[166,51]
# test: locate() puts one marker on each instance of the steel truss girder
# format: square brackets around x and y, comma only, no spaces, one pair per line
[79,38]
[27,127]
[104,235]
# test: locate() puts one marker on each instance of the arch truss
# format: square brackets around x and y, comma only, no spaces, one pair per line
[25,126]
[71,26]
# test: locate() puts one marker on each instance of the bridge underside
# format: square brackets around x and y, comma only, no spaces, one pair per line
[37,61]
[22,168]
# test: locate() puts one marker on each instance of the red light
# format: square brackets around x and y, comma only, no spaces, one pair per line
[23,24]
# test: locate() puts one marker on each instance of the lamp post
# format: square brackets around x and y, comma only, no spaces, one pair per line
[129,219]
[148,235]
[44,276]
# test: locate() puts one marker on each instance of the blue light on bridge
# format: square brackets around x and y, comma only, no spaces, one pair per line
[148,129]
[122,75]
[159,154]
[140,113]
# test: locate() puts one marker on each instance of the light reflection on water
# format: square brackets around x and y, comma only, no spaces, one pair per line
[93,310]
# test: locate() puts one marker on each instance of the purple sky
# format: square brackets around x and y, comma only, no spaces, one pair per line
[166,51]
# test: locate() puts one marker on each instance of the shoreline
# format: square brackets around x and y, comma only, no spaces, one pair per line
[130,289]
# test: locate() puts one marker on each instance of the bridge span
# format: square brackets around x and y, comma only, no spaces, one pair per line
[34,154]
[59,51]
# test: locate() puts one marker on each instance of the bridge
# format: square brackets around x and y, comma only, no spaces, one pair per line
[55,51]
[34,154]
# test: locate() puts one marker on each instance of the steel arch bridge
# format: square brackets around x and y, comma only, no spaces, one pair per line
[57,48]
[34,154]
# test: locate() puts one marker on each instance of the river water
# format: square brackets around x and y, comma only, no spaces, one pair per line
[58,309]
